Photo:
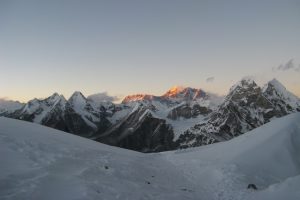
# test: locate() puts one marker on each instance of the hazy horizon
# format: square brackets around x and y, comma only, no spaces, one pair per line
[147,47]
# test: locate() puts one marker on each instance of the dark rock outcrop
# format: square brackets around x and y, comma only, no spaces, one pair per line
[188,111]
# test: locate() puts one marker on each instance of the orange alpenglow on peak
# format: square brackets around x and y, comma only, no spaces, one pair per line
[137,97]
[186,93]
[174,91]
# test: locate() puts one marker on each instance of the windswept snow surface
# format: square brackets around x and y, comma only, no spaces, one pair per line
[43,163]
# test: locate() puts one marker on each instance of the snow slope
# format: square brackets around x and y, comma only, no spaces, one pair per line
[43,163]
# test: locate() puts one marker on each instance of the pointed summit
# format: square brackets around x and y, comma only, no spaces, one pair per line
[284,100]
[54,99]
[276,84]
[77,99]
[244,83]
[77,95]
[53,96]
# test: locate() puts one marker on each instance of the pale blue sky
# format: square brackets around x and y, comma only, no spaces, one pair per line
[141,46]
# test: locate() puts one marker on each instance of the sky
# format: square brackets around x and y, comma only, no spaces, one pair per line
[127,47]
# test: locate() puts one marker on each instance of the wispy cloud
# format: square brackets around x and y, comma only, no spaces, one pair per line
[210,79]
[103,96]
[287,66]
[4,99]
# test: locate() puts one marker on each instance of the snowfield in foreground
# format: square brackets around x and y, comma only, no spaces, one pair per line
[42,163]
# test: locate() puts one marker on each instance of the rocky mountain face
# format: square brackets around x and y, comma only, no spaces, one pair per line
[83,117]
[140,131]
[180,118]
[147,126]
[247,106]
[187,111]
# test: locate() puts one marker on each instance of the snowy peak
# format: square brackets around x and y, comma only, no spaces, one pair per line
[54,95]
[177,93]
[78,100]
[174,91]
[184,93]
[281,97]
[55,99]
[138,97]
[280,89]
[277,84]
[77,96]
[246,89]
[245,83]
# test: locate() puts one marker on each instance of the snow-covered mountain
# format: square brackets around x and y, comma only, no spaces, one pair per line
[284,101]
[84,117]
[43,163]
[180,118]
[76,115]
[140,97]
[140,130]
[36,110]
[184,93]
[153,123]
[247,106]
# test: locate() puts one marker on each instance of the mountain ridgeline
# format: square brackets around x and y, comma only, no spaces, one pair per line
[180,118]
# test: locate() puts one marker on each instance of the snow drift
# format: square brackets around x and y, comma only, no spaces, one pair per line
[43,163]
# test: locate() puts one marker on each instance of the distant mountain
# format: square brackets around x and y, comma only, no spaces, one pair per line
[36,110]
[175,94]
[9,106]
[184,94]
[140,97]
[77,115]
[180,118]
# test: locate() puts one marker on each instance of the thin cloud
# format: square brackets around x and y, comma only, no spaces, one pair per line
[210,79]
[4,99]
[103,96]
[287,66]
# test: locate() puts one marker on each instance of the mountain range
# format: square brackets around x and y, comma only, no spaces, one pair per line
[183,117]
